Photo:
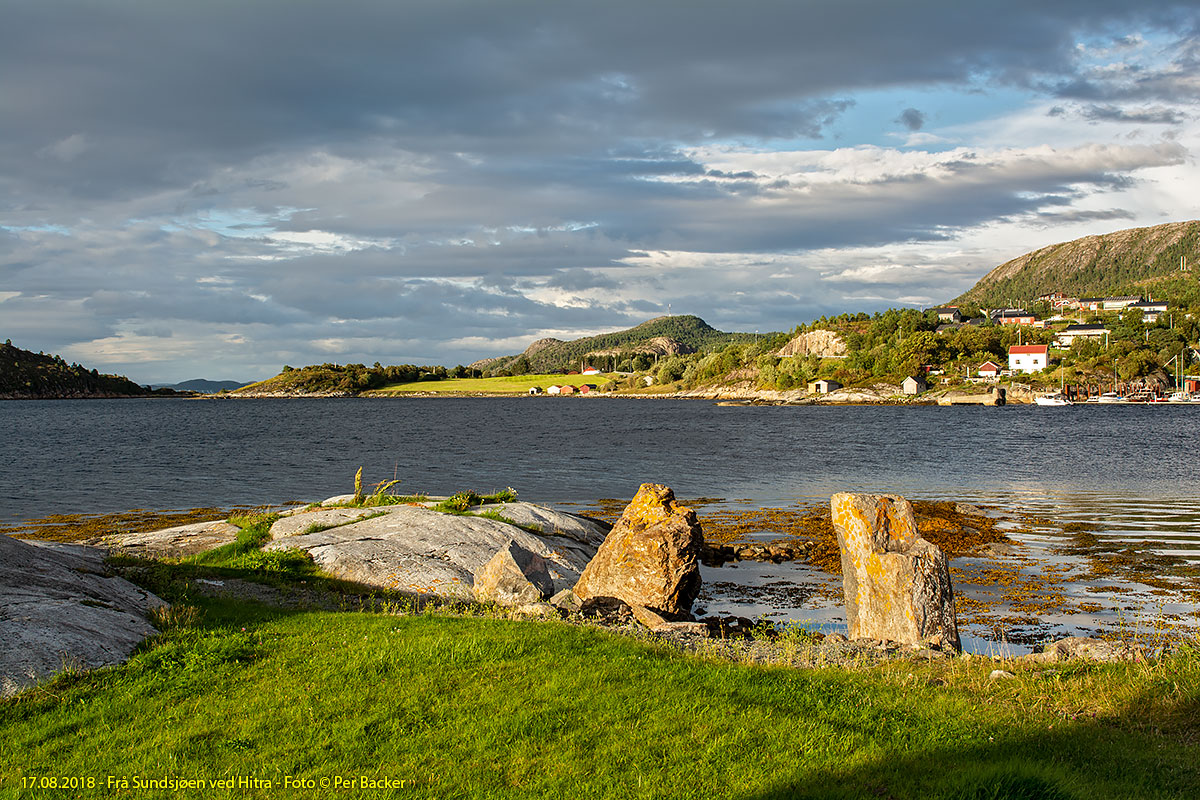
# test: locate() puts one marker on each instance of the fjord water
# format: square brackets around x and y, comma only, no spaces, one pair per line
[1136,463]
[1128,473]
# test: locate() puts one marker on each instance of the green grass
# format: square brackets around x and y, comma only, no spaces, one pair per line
[517,384]
[475,706]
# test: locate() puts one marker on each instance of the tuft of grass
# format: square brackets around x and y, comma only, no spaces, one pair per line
[256,531]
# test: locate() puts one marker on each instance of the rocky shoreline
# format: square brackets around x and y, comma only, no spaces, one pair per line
[66,605]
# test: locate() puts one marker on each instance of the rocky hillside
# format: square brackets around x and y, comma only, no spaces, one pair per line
[25,375]
[663,336]
[1125,262]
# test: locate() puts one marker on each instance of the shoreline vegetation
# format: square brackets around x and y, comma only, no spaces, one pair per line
[268,673]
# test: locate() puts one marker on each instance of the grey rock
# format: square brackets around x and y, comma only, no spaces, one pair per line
[513,577]
[1000,675]
[566,600]
[1081,648]
[177,542]
[321,519]
[58,609]
[417,549]
[896,584]
[681,629]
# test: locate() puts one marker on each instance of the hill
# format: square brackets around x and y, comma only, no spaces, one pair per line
[662,336]
[1132,262]
[25,375]
[201,386]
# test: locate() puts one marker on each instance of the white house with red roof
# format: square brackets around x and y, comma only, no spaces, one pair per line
[988,369]
[1028,358]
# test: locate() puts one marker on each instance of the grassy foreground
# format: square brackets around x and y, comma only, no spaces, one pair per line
[405,703]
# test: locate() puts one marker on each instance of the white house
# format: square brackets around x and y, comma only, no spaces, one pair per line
[1028,357]
[1072,332]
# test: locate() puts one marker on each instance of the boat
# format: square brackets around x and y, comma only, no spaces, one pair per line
[1054,399]
[1111,397]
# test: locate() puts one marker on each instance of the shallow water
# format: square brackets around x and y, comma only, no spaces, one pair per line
[1126,473]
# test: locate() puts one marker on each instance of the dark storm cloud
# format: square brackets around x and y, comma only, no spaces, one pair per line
[1111,113]
[912,119]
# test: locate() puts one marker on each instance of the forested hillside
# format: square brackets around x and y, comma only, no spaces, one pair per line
[28,375]
[1129,262]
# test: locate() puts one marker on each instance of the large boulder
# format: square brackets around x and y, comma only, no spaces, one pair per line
[649,558]
[896,584]
[416,549]
[514,577]
[58,608]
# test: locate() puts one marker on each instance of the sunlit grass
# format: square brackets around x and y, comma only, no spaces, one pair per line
[517,384]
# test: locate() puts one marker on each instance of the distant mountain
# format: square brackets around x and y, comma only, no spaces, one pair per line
[660,336]
[1130,262]
[25,375]
[202,386]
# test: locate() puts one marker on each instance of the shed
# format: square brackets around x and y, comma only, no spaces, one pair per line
[823,386]
[913,384]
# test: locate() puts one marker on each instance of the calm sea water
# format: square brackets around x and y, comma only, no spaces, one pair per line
[1130,471]
[108,455]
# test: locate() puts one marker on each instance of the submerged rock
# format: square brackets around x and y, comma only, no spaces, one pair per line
[896,584]
[649,558]
[58,609]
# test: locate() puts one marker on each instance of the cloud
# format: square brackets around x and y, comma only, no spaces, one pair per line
[912,119]
[435,181]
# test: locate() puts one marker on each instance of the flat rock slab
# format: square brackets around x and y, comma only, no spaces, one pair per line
[58,609]
[324,518]
[184,540]
[416,549]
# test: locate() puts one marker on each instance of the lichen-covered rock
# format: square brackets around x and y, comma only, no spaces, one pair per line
[650,557]
[513,577]
[896,584]
[416,549]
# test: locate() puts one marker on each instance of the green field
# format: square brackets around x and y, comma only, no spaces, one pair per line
[397,702]
[517,384]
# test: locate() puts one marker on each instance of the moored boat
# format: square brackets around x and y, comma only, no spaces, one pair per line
[1054,399]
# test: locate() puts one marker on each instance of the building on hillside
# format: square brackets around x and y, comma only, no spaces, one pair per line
[988,369]
[913,384]
[1070,333]
[1028,358]
[1151,311]
[948,314]
[1016,316]
[587,388]
[590,371]
[823,386]
[1118,303]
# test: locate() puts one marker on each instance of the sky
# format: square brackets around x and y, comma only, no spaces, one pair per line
[216,189]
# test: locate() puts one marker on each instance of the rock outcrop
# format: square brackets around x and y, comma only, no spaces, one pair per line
[416,549]
[649,558]
[177,542]
[821,343]
[896,584]
[58,609]
[514,577]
